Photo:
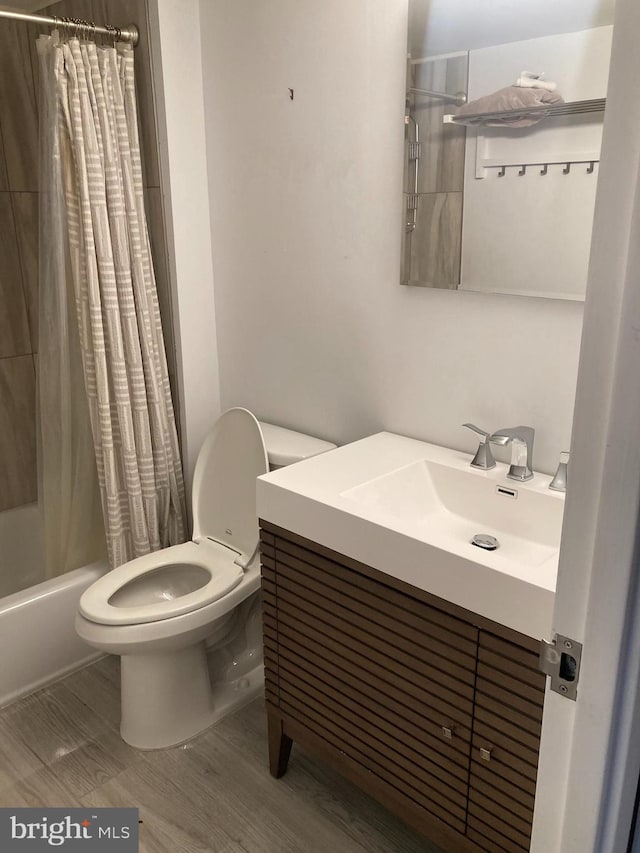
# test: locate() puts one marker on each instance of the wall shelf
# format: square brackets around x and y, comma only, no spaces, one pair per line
[595,105]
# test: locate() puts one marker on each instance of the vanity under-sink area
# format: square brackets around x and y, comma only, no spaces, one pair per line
[405,594]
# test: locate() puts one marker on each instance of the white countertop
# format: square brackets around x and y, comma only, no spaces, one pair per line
[309,499]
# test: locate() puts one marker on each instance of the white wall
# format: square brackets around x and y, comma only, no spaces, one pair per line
[177,67]
[314,331]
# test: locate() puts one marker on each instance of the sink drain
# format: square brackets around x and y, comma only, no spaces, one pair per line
[483,540]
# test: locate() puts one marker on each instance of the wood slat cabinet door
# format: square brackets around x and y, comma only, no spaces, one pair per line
[435,711]
[384,678]
[506,739]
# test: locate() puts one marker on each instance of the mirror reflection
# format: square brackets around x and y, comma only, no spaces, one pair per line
[503,130]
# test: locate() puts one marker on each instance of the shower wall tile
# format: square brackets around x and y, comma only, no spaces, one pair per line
[14,326]
[25,212]
[18,107]
[436,241]
[4,181]
[407,238]
[442,157]
[18,479]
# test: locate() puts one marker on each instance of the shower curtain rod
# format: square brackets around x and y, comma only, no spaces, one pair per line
[459,98]
[128,33]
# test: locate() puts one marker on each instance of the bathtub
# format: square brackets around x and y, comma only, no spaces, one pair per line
[37,636]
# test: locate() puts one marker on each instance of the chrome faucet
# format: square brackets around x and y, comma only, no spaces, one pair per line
[521,439]
[484,457]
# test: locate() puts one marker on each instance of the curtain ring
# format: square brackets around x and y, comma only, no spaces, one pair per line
[113,30]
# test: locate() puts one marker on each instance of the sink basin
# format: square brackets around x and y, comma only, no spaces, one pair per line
[449,506]
[410,509]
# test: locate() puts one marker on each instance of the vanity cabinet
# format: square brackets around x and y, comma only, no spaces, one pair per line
[434,711]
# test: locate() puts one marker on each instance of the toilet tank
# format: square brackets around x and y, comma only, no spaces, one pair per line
[285,446]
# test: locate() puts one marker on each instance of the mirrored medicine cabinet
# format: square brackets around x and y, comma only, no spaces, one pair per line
[502,209]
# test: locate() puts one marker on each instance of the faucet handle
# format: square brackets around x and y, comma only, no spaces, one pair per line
[561,477]
[484,457]
[481,432]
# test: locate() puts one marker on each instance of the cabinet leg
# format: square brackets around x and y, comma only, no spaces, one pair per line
[279,746]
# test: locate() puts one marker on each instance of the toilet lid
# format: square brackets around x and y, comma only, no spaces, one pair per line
[233,455]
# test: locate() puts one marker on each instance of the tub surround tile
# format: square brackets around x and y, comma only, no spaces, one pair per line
[436,241]
[18,107]
[442,157]
[18,475]
[14,324]
[4,181]
[25,214]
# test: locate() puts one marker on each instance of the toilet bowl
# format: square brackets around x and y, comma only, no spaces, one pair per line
[185,620]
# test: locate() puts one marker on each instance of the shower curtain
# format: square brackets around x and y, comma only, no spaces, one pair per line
[106,256]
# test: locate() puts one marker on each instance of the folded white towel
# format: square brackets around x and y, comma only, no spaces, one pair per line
[529,80]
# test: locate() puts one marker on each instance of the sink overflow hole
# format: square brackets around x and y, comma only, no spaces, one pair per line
[483,540]
[506,492]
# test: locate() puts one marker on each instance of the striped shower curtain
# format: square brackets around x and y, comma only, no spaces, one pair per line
[123,356]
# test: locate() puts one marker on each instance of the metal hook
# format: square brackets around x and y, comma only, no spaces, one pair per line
[502,172]
[566,169]
[522,171]
[591,167]
[112,30]
[544,169]
[66,26]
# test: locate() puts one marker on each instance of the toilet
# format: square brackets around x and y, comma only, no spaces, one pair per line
[186,620]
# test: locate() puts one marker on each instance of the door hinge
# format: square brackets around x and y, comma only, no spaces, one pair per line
[560,660]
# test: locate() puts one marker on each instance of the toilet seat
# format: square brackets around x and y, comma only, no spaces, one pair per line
[216,561]
[225,536]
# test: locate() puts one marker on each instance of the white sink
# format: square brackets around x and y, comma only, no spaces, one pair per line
[410,509]
[448,506]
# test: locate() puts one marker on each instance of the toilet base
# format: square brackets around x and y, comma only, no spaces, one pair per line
[167,698]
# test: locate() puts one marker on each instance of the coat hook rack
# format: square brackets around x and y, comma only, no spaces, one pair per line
[566,169]
[544,169]
[591,167]
[522,171]
[502,171]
